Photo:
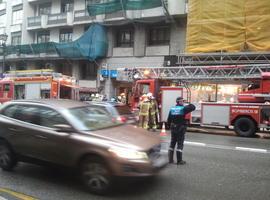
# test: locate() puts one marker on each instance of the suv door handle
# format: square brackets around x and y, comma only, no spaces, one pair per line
[40,137]
[14,129]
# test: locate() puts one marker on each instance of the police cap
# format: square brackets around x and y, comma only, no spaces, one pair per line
[178,99]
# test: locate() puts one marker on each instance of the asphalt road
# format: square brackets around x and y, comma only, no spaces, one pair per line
[218,167]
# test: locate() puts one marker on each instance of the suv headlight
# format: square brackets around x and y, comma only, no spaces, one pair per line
[129,154]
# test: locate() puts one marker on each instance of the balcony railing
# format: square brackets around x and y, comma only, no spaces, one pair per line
[60,18]
[34,21]
[118,14]
[82,15]
[35,1]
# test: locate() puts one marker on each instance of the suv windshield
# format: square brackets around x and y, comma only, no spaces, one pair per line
[92,118]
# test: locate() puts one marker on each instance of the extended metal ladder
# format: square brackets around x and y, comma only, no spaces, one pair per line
[194,73]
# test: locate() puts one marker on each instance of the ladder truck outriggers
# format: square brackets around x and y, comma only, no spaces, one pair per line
[36,84]
[247,116]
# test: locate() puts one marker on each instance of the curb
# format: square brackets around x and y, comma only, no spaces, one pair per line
[215,131]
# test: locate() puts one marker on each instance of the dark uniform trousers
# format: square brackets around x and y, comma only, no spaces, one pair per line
[177,136]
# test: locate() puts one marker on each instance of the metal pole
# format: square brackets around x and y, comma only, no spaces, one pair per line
[216,93]
[109,79]
[4,57]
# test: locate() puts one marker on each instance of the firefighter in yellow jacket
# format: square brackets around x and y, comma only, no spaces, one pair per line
[144,112]
[154,113]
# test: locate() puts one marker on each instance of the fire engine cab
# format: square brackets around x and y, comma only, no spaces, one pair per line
[258,91]
[35,84]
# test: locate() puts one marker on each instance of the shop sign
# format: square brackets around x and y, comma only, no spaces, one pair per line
[106,73]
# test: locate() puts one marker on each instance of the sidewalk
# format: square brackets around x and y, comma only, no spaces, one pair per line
[223,131]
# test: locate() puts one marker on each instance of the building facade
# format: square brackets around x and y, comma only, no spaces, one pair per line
[136,38]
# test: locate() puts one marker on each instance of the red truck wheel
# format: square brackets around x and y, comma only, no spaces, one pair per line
[245,127]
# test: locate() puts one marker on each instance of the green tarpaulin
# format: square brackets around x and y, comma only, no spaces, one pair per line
[111,6]
[92,45]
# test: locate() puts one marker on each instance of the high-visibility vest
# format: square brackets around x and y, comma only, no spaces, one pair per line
[144,108]
[153,108]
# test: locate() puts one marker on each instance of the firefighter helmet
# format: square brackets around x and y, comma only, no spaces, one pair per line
[149,95]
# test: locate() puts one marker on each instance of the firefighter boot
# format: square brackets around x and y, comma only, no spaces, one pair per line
[170,155]
[180,161]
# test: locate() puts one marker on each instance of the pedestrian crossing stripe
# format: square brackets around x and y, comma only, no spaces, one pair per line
[18,195]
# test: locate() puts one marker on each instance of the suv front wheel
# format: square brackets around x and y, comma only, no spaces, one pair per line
[7,157]
[96,175]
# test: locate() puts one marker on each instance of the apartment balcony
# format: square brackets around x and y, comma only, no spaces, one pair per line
[36,1]
[3,6]
[110,13]
[57,19]
[82,16]
[114,16]
[2,30]
[34,22]
[16,2]
[15,28]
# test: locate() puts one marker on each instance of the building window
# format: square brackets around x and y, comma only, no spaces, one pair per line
[16,38]
[67,6]
[65,35]
[43,37]
[159,35]
[17,17]
[44,9]
[3,18]
[125,38]
[88,72]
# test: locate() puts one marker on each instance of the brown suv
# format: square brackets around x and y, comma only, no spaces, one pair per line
[77,135]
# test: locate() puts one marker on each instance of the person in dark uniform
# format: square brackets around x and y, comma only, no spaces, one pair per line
[177,123]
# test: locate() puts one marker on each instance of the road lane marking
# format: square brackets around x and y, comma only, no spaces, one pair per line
[215,146]
[195,143]
[251,149]
[16,194]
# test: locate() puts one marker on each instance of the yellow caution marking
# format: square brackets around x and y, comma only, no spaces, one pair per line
[16,194]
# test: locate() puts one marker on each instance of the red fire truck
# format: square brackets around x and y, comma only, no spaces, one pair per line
[247,116]
[34,84]
[258,91]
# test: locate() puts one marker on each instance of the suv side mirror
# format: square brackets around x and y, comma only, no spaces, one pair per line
[63,128]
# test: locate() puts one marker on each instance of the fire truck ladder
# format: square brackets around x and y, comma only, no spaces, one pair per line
[223,58]
[194,73]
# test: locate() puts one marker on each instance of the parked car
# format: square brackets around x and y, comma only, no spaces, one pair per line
[120,111]
[77,135]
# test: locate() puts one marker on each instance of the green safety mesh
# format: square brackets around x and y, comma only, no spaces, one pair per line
[48,47]
[111,6]
[92,45]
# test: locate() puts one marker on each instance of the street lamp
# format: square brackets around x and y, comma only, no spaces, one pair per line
[3,39]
